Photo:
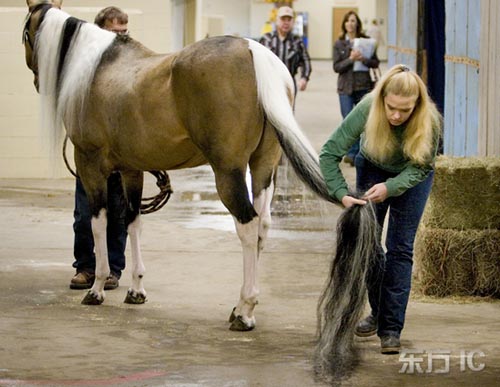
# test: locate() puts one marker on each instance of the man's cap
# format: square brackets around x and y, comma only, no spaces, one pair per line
[285,11]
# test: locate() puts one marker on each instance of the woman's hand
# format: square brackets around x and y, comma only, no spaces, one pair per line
[349,201]
[356,55]
[377,193]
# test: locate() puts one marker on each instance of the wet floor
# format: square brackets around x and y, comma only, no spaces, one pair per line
[180,337]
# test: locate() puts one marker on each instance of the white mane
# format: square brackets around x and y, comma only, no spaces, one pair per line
[84,54]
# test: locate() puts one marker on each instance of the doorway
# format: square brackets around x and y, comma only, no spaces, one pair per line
[337,17]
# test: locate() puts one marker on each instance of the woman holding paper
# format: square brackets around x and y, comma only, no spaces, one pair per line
[354,53]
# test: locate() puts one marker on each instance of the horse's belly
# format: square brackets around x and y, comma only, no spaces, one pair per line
[168,156]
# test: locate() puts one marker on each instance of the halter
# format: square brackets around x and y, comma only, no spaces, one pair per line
[26,38]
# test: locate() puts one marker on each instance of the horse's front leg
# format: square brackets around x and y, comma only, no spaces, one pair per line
[95,295]
[94,180]
[136,294]
[133,182]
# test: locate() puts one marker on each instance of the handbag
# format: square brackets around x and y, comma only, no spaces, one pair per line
[375,75]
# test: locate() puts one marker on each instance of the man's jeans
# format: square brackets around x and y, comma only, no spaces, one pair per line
[116,234]
[389,284]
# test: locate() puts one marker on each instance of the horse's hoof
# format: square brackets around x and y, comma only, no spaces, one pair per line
[134,298]
[241,326]
[233,316]
[92,298]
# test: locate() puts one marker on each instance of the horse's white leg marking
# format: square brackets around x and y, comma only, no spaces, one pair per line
[248,181]
[99,225]
[138,269]
[262,205]
[248,234]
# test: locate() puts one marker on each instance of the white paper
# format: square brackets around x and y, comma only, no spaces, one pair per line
[367,47]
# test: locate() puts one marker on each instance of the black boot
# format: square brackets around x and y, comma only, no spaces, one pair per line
[390,345]
[366,327]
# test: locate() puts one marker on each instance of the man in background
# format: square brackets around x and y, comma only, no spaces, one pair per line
[112,19]
[289,48]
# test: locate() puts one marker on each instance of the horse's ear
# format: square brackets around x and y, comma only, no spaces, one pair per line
[33,3]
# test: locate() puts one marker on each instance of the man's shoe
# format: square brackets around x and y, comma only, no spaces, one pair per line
[390,345]
[111,282]
[82,280]
[366,327]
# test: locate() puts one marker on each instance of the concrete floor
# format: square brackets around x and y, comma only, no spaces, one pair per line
[180,337]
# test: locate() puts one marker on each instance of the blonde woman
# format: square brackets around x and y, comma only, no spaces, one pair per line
[398,127]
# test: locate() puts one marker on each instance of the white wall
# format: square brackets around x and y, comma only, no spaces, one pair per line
[21,154]
[236,15]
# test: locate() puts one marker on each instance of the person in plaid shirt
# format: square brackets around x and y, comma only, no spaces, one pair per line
[289,48]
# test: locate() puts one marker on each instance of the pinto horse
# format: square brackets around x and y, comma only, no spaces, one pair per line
[224,101]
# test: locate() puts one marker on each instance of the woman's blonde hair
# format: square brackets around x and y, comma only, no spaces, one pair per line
[422,127]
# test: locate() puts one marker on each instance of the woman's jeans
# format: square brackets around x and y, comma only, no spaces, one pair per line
[347,103]
[389,283]
[116,233]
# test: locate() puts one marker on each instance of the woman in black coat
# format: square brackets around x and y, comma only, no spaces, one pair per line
[352,85]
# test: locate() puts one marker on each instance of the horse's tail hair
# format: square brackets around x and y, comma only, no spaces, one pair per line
[275,89]
[342,301]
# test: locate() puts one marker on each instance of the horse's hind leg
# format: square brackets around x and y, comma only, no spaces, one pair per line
[263,165]
[233,192]
[133,182]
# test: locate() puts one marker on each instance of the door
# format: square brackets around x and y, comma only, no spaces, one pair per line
[337,17]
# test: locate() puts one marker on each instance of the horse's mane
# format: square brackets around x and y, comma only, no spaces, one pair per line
[68,51]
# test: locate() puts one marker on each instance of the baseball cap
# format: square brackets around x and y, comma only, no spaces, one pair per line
[285,11]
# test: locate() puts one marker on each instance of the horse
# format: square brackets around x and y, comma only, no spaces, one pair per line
[223,101]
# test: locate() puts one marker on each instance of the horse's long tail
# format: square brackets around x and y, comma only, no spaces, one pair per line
[275,88]
[341,303]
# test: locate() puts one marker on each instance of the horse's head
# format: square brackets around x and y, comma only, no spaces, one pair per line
[37,9]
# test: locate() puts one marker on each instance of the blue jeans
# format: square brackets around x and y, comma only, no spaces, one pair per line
[389,284]
[347,103]
[116,233]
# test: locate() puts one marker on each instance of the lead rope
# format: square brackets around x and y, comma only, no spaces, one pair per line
[65,143]
[149,204]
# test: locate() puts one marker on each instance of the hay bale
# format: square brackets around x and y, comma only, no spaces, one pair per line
[487,259]
[465,194]
[458,262]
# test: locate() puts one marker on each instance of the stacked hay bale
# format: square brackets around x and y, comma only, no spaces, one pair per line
[457,250]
